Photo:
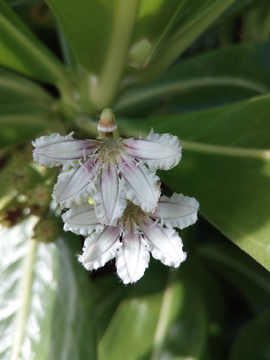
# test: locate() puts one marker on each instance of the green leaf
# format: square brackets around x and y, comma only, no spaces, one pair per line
[73,331]
[22,124]
[99,32]
[21,51]
[256,23]
[226,166]
[154,22]
[194,20]
[16,90]
[212,79]
[47,309]
[108,294]
[246,275]
[159,315]
[20,276]
[89,29]
[252,342]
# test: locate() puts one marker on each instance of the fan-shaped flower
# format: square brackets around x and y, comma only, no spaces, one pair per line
[111,171]
[137,234]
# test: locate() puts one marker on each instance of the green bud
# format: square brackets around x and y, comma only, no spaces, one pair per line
[46,231]
[40,195]
[139,53]
[24,178]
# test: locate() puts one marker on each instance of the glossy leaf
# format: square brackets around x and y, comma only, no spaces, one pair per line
[237,9]
[212,79]
[21,51]
[198,15]
[226,167]
[152,315]
[245,274]
[108,294]
[256,23]
[82,27]
[37,314]
[99,32]
[25,266]
[154,23]
[252,342]
[22,124]
[16,90]
[74,328]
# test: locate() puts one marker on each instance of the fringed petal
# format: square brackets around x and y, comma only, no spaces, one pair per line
[133,257]
[164,244]
[55,150]
[178,211]
[140,185]
[75,186]
[81,219]
[157,151]
[109,204]
[100,247]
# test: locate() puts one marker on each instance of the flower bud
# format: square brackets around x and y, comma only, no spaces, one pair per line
[40,195]
[139,53]
[46,231]
[107,121]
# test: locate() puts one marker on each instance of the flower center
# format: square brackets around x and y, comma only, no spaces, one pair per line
[133,214]
[109,150]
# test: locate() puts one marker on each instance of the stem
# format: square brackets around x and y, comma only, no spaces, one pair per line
[27,281]
[104,87]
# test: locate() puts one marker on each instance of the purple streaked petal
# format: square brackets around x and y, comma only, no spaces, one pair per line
[109,204]
[157,151]
[81,219]
[164,244]
[133,257]
[75,186]
[100,247]
[55,150]
[140,185]
[178,211]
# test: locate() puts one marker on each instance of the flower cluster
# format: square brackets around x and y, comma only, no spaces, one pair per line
[129,219]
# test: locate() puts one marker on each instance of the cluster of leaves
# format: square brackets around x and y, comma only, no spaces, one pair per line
[214,97]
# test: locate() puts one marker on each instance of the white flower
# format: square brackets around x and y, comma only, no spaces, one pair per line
[137,234]
[111,171]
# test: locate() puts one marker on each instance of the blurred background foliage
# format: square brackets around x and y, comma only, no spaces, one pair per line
[198,69]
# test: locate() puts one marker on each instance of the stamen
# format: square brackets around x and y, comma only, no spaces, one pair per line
[81,163]
[155,222]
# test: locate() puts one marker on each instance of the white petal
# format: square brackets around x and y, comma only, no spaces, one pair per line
[75,186]
[81,219]
[100,247]
[164,244]
[109,204]
[178,211]
[140,185]
[157,151]
[55,150]
[133,257]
